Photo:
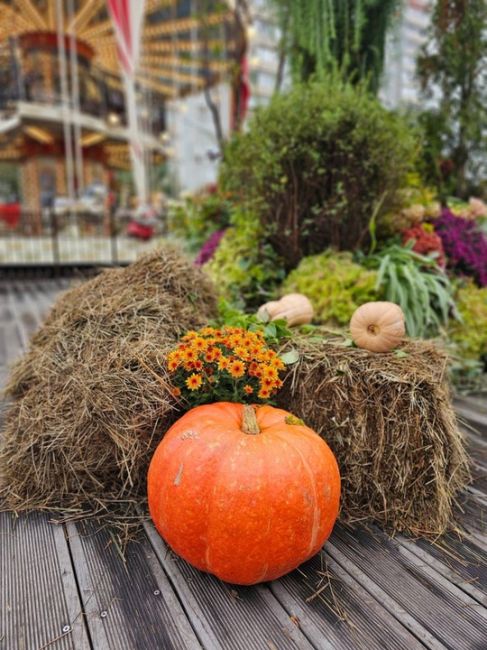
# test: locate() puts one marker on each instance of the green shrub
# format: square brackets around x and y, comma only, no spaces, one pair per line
[335,285]
[245,268]
[470,334]
[197,217]
[315,165]
[417,284]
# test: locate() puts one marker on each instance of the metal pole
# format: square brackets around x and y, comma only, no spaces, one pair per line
[76,104]
[68,148]
[113,236]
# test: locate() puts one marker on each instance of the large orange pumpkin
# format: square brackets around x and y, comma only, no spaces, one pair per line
[246,493]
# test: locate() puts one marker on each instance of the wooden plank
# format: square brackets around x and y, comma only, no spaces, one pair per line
[460,561]
[476,402]
[11,343]
[129,602]
[39,604]
[472,415]
[228,616]
[40,601]
[335,612]
[24,311]
[446,614]
[6,315]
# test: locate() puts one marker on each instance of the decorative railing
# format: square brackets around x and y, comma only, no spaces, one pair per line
[100,93]
[39,238]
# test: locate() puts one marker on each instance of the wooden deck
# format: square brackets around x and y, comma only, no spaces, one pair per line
[67,587]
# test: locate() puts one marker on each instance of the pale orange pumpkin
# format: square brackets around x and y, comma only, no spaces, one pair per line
[295,308]
[244,492]
[378,326]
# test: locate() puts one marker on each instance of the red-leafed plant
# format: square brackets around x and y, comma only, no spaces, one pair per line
[426,242]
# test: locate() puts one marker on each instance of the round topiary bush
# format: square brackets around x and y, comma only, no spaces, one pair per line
[335,284]
[315,165]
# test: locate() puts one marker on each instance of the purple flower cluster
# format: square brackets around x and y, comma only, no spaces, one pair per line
[209,247]
[465,245]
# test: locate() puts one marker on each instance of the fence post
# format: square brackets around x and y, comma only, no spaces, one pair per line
[54,236]
[113,235]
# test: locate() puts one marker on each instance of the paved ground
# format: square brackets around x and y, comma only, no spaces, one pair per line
[67,587]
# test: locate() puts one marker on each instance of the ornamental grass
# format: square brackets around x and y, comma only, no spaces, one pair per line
[90,398]
[389,420]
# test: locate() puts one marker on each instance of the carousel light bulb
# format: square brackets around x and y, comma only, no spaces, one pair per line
[113,119]
[164,136]
[251,32]
[254,61]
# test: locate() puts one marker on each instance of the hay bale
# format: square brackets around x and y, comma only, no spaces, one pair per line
[390,422]
[90,399]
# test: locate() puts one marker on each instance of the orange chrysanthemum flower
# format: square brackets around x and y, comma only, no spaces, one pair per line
[199,344]
[198,364]
[210,355]
[217,353]
[237,368]
[264,393]
[242,352]
[277,363]
[172,365]
[269,371]
[253,368]
[194,381]
[248,389]
[190,355]
[223,363]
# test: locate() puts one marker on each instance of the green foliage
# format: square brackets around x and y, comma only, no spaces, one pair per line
[417,204]
[470,333]
[315,164]
[197,217]
[466,375]
[323,36]
[335,284]
[274,332]
[452,71]
[245,268]
[415,283]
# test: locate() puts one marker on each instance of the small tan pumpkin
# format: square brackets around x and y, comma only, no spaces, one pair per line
[295,308]
[271,308]
[378,326]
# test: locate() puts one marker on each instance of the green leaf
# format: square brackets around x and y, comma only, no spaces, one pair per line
[263,316]
[270,330]
[290,357]
[401,354]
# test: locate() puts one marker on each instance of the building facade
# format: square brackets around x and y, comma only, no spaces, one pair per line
[399,86]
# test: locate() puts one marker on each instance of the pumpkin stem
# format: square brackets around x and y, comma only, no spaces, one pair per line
[249,421]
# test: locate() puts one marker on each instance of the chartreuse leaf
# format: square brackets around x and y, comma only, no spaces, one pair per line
[290,357]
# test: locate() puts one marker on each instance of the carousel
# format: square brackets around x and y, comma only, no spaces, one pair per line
[84,86]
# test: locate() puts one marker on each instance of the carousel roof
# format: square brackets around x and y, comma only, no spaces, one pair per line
[183,46]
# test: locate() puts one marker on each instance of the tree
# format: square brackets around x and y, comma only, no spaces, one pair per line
[322,36]
[452,69]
